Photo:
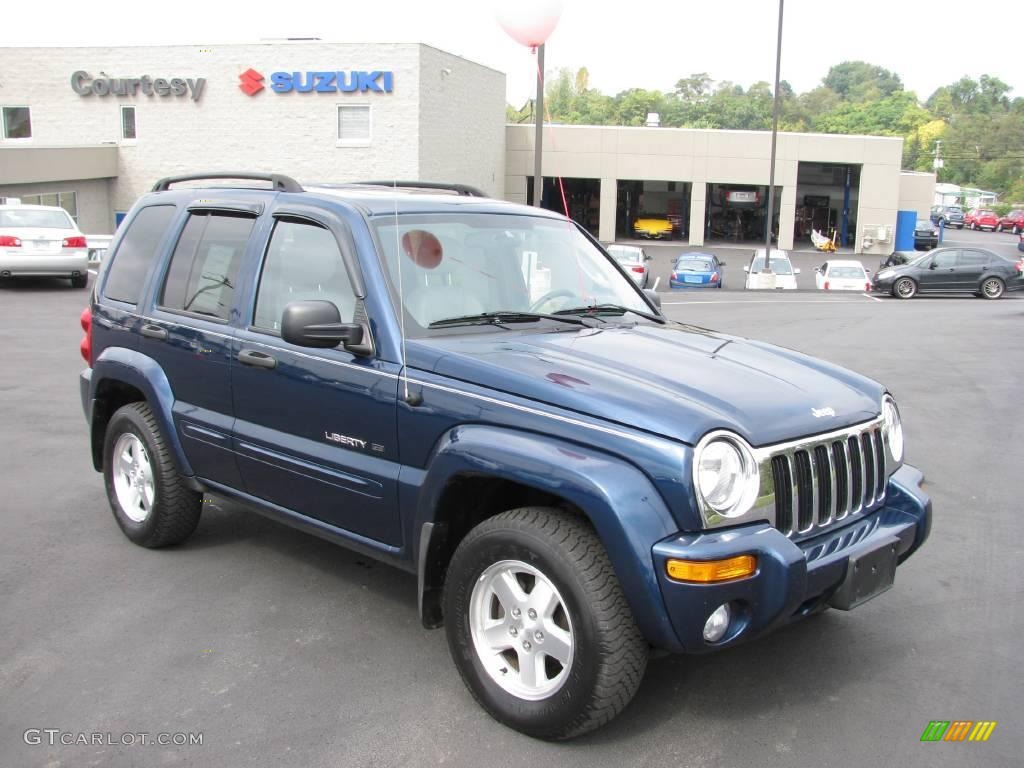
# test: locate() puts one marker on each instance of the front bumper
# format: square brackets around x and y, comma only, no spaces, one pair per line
[793,579]
[64,264]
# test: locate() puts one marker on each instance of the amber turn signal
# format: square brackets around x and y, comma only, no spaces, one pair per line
[709,571]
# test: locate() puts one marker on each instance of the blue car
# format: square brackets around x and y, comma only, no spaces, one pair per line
[696,270]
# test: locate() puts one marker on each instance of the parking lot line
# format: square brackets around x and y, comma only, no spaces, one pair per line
[766,301]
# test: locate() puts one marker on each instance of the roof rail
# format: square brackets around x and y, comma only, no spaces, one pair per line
[461,189]
[279,182]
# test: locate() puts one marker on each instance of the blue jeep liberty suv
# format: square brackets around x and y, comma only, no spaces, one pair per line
[476,392]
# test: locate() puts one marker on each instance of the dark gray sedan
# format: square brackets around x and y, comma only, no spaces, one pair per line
[952,270]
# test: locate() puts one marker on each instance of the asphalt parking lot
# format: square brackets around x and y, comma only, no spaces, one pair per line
[282,649]
[803,257]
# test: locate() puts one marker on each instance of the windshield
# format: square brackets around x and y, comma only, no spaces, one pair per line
[955,209]
[920,260]
[924,224]
[29,217]
[694,265]
[460,264]
[780,266]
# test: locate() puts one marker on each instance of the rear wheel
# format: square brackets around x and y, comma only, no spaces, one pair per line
[149,499]
[1016,229]
[538,626]
[993,288]
[904,288]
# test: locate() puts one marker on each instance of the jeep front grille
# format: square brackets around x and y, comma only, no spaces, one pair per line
[822,481]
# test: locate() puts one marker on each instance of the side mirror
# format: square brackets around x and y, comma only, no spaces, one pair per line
[796,271]
[653,297]
[318,324]
[932,265]
[721,263]
[647,257]
[746,269]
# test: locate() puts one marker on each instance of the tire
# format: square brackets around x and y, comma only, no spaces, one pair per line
[603,652]
[149,499]
[999,228]
[80,281]
[1016,229]
[993,288]
[959,226]
[974,226]
[904,288]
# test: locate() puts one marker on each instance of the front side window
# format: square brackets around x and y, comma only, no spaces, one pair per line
[354,123]
[204,267]
[17,122]
[128,131]
[944,259]
[303,263]
[459,264]
[134,254]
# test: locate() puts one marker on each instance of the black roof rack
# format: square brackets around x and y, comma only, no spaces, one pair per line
[279,182]
[460,189]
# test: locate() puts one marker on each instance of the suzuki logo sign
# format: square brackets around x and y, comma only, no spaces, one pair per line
[252,82]
[377,81]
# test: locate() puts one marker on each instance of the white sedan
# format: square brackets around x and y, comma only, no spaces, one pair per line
[42,241]
[782,275]
[840,275]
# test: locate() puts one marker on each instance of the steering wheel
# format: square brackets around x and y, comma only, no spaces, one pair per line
[549,296]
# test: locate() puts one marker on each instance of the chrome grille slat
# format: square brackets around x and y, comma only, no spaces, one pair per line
[820,481]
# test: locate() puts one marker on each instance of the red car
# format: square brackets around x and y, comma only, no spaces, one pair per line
[981,218]
[1013,221]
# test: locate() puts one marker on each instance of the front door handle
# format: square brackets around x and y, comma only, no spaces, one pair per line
[256,359]
[154,332]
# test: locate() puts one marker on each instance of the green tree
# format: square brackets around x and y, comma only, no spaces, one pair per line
[860,81]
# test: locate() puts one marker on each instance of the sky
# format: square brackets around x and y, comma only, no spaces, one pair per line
[639,43]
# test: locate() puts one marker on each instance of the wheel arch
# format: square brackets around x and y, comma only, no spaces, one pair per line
[121,376]
[478,471]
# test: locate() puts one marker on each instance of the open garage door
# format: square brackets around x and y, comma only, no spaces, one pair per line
[654,210]
[582,197]
[737,213]
[826,201]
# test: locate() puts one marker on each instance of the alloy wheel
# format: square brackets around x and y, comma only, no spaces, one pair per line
[133,477]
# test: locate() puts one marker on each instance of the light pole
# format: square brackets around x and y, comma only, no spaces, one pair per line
[538,132]
[775,131]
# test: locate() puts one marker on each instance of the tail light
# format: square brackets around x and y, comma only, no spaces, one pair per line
[675,276]
[639,269]
[86,346]
[74,242]
[714,277]
[867,287]
[9,241]
[826,285]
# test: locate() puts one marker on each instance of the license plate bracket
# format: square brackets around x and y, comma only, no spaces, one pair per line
[869,573]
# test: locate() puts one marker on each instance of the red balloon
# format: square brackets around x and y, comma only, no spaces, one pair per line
[423,248]
[529,22]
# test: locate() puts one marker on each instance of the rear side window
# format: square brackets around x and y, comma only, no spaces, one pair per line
[204,267]
[127,271]
[973,259]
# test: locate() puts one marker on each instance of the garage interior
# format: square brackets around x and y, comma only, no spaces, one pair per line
[736,213]
[582,197]
[636,199]
[826,200]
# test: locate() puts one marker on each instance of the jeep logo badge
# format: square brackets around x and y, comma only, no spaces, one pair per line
[819,412]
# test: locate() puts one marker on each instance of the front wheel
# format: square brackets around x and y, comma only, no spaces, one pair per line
[150,501]
[993,288]
[904,288]
[538,626]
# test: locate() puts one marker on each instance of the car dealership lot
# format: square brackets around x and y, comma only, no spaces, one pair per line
[286,650]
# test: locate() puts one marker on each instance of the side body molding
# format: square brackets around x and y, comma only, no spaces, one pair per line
[620,501]
[145,374]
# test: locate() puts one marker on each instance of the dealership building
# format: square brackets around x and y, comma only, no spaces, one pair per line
[91,129]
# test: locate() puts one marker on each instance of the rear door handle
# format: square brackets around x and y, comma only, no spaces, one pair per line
[154,332]
[256,359]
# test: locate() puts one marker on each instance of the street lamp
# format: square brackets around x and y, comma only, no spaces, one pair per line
[775,131]
[530,23]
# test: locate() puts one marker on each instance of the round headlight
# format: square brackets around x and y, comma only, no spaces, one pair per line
[726,476]
[893,427]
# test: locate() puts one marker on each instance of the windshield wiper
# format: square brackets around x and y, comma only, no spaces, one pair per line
[497,318]
[609,309]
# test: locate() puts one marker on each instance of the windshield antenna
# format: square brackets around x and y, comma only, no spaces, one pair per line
[410,399]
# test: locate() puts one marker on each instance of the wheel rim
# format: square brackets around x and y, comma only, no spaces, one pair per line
[905,288]
[133,477]
[521,630]
[992,288]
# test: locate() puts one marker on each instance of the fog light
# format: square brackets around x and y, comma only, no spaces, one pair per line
[717,623]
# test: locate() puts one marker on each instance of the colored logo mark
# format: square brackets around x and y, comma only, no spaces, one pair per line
[252,82]
[958,730]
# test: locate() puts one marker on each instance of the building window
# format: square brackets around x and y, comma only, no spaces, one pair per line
[128,132]
[66,200]
[354,124]
[17,123]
